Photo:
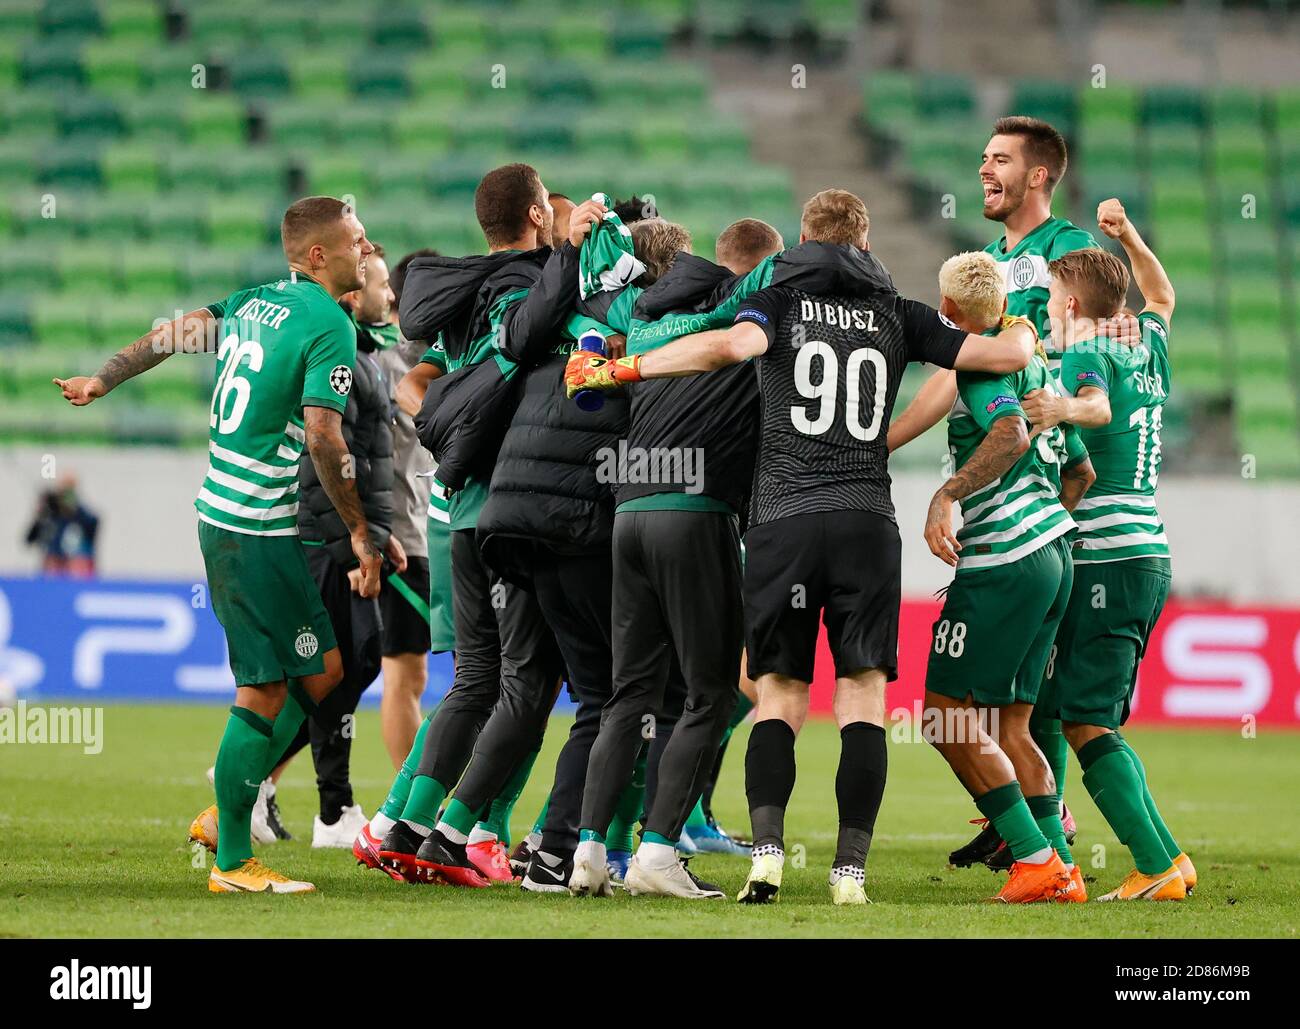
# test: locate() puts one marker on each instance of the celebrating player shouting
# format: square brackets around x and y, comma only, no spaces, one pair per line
[284,369]
[1121,555]
[822,534]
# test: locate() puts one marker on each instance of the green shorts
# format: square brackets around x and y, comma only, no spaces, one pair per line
[1113,609]
[995,633]
[265,598]
[442,632]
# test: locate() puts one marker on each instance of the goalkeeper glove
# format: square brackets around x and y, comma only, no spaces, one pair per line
[589,370]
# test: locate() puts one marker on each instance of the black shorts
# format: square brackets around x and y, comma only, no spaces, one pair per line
[406,626]
[845,563]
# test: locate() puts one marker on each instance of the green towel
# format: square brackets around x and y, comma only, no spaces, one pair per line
[606,261]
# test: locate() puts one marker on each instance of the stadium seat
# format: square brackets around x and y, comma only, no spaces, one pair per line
[401,27]
[63,321]
[70,166]
[17,167]
[1174,106]
[1262,353]
[151,271]
[133,21]
[113,66]
[1052,101]
[236,222]
[378,75]
[15,321]
[422,129]
[258,72]
[1199,358]
[90,117]
[322,75]
[213,120]
[211,274]
[112,219]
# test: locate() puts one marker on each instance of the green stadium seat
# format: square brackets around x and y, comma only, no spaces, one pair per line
[1183,200]
[579,37]
[1275,449]
[1198,299]
[258,72]
[568,85]
[173,220]
[337,174]
[662,138]
[1237,109]
[298,124]
[19,19]
[1262,354]
[90,117]
[1255,305]
[9,65]
[283,29]
[718,139]
[155,119]
[639,37]
[172,69]
[214,120]
[236,222]
[1115,105]
[401,175]
[544,130]
[220,26]
[1286,108]
[67,20]
[18,167]
[454,179]
[341,26]
[1263,402]
[1052,101]
[15,322]
[191,171]
[70,166]
[89,270]
[120,320]
[421,128]
[1173,151]
[944,96]
[321,75]
[1174,105]
[111,219]
[152,271]
[133,21]
[131,168]
[434,79]
[378,75]
[31,117]
[63,321]
[212,274]
[113,67]
[889,100]
[1199,360]
[51,66]
[400,27]
[488,130]
[1250,248]
[266,264]
[366,127]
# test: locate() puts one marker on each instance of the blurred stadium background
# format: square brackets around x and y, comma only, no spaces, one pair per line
[149,147]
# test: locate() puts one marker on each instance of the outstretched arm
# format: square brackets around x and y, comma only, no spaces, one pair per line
[1089,409]
[1006,441]
[192,333]
[1149,274]
[334,467]
[1009,351]
[690,355]
[932,401]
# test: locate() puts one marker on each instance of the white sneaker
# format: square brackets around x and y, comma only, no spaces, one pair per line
[590,879]
[670,881]
[261,825]
[847,890]
[341,833]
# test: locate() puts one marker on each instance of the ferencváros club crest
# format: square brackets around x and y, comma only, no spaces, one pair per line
[1022,272]
[306,644]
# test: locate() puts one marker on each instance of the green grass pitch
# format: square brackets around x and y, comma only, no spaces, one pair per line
[94,845]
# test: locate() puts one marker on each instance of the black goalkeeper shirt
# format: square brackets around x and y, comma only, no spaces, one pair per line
[827,385]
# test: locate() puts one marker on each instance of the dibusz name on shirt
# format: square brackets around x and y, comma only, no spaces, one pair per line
[666,466]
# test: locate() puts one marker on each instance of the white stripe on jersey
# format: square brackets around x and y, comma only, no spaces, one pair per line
[1029,480]
[1010,556]
[261,468]
[438,515]
[1130,539]
[1087,524]
[251,489]
[295,432]
[259,514]
[292,530]
[1127,499]
[1020,528]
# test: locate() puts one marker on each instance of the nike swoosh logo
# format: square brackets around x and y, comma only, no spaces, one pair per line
[254,785]
[557,876]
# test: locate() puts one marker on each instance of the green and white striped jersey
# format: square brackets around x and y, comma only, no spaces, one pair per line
[1020,512]
[1025,270]
[282,346]
[1117,518]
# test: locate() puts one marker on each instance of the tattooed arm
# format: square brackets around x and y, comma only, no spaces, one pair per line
[329,453]
[1006,441]
[1075,482]
[192,333]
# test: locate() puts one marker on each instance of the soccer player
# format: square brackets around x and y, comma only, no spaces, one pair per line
[1023,163]
[1115,395]
[822,532]
[502,310]
[284,370]
[993,639]
[676,590]
[367,430]
[405,599]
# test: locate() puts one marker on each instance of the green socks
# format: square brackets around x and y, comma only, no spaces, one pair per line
[1115,786]
[1166,837]
[238,776]
[1047,813]
[541,816]
[297,707]
[497,821]
[697,819]
[1005,807]
[426,796]
[1046,733]
[459,817]
[395,802]
[622,827]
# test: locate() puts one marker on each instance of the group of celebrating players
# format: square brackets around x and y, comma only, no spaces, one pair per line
[748,399]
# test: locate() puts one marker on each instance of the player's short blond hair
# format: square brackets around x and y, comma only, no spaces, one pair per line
[973,281]
[656,243]
[835,216]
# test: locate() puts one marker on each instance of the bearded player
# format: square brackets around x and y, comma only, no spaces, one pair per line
[1115,395]
[285,351]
